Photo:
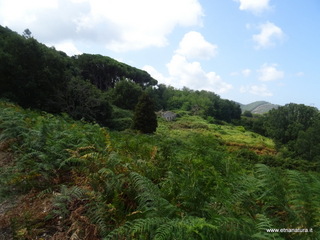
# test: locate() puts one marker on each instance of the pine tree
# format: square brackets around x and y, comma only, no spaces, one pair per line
[145,119]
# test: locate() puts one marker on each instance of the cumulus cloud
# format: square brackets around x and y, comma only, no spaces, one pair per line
[255,6]
[260,90]
[68,47]
[49,21]
[191,74]
[269,72]
[120,25]
[269,35]
[184,72]
[157,75]
[194,46]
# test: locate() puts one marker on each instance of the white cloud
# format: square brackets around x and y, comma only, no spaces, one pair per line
[186,73]
[146,23]
[246,72]
[194,46]
[269,72]
[191,74]
[68,47]
[13,12]
[157,75]
[255,6]
[260,90]
[120,25]
[268,37]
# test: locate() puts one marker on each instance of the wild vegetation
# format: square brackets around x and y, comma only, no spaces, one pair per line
[87,158]
[189,180]
[89,86]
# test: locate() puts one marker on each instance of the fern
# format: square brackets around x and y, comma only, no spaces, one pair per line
[262,224]
[185,228]
[302,195]
[150,197]
[272,185]
[101,214]
[64,198]
[138,226]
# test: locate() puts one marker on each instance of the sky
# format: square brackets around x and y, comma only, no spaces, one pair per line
[243,50]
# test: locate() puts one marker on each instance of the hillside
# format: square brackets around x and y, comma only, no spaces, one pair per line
[76,180]
[91,87]
[258,107]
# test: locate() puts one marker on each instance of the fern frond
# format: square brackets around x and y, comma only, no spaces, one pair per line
[262,224]
[66,196]
[150,197]
[136,227]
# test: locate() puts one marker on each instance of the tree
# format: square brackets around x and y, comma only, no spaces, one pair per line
[27,33]
[126,94]
[104,72]
[247,114]
[307,145]
[145,119]
[82,100]
[285,123]
[31,74]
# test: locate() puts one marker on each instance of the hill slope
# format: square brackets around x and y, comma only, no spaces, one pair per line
[74,180]
[258,107]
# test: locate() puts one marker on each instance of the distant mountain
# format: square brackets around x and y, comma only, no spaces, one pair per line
[259,107]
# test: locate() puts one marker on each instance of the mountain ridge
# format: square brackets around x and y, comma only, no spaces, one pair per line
[258,107]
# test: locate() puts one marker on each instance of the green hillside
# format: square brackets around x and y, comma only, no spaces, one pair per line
[91,87]
[66,179]
[258,107]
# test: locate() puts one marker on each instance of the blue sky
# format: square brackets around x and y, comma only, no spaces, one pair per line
[243,50]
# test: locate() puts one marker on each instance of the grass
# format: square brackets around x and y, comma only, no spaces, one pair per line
[230,135]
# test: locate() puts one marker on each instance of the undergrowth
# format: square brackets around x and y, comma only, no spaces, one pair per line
[190,180]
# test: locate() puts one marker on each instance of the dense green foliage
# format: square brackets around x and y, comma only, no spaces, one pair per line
[126,94]
[285,123]
[30,73]
[84,86]
[187,181]
[295,130]
[202,103]
[105,72]
[82,100]
[145,118]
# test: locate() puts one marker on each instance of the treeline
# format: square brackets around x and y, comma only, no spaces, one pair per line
[295,128]
[91,87]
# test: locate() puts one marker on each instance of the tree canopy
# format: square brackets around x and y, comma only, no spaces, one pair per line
[145,119]
[285,123]
[104,72]
[36,76]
